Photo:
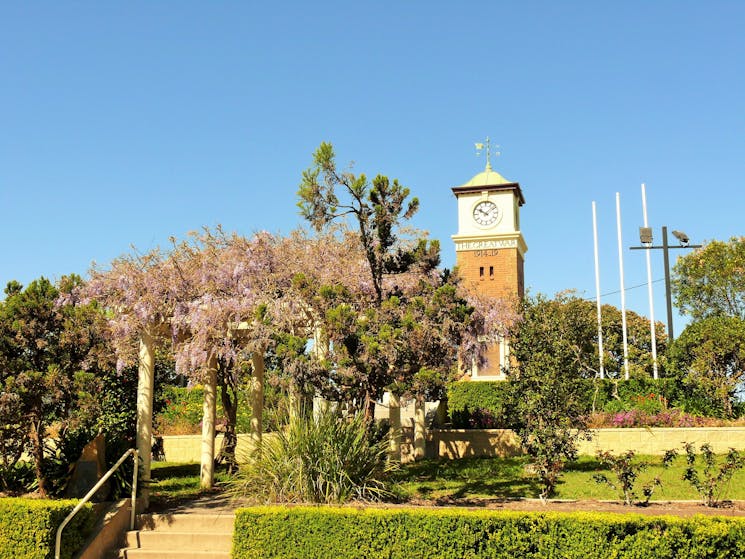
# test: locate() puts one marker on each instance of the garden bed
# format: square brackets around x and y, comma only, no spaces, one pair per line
[655,508]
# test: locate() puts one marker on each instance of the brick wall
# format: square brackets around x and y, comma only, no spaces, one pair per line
[494,272]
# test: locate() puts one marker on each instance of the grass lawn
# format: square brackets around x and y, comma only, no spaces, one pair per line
[506,478]
[450,481]
[173,483]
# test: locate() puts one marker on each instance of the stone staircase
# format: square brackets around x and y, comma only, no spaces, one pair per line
[181,535]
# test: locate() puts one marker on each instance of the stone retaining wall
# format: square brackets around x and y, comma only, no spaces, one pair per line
[460,443]
[188,448]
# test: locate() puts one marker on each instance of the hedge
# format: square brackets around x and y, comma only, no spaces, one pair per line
[481,405]
[182,410]
[28,527]
[490,404]
[400,533]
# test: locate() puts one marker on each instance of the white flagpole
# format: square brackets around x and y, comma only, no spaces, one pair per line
[623,289]
[597,289]
[652,330]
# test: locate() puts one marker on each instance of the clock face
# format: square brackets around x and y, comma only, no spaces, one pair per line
[486,213]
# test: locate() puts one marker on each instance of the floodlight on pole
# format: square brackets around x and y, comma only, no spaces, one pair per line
[682,237]
[665,247]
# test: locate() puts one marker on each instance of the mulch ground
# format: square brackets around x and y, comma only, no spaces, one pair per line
[656,508]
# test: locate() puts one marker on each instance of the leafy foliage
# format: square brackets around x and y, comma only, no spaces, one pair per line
[548,381]
[321,459]
[397,324]
[710,356]
[348,533]
[637,402]
[627,469]
[709,479]
[28,528]
[710,281]
[481,405]
[181,413]
[378,209]
[44,346]
[386,339]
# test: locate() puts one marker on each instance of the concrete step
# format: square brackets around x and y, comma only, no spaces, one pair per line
[192,541]
[187,522]
[161,554]
[184,535]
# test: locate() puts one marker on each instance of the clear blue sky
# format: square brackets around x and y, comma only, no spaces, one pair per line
[126,123]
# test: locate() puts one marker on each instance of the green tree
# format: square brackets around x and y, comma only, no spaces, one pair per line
[364,330]
[379,210]
[711,281]
[710,354]
[548,345]
[44,345]
[574,336]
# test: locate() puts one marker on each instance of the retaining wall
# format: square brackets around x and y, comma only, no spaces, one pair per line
[188,448]
[460,443]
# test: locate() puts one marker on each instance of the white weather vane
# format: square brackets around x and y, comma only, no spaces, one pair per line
[486,146]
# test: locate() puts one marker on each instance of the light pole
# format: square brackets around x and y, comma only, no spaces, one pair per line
[645,237]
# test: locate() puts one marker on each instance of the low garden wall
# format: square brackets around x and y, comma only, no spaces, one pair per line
[461,443]
[406,533]
[188,448]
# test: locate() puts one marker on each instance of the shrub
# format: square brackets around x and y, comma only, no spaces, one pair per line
[636,418]
[321,459]
[642,393]
[487,405]
[346,533]
[627,470]
[711,482]
[481,405]
[182,410]
[28,528]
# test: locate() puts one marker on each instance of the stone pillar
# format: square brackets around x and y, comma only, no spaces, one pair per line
[207,471]
[394,415]
[320,350]
[145,387]
[257,398]
[419,429]
[321,406]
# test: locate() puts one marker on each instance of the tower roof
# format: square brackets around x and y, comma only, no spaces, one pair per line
[489,179]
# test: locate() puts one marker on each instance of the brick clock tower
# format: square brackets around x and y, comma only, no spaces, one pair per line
[490,248]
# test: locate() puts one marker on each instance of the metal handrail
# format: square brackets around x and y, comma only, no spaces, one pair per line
[106,476]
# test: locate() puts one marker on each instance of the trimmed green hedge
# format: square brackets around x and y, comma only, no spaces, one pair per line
[481,405]
[347,533]
[489,404]
[28,528]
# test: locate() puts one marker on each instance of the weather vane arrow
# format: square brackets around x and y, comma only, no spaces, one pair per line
[486,146]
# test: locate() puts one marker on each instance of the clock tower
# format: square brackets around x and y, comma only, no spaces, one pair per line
[490,248]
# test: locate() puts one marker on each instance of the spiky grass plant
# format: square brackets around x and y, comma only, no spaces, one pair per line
[316,459]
